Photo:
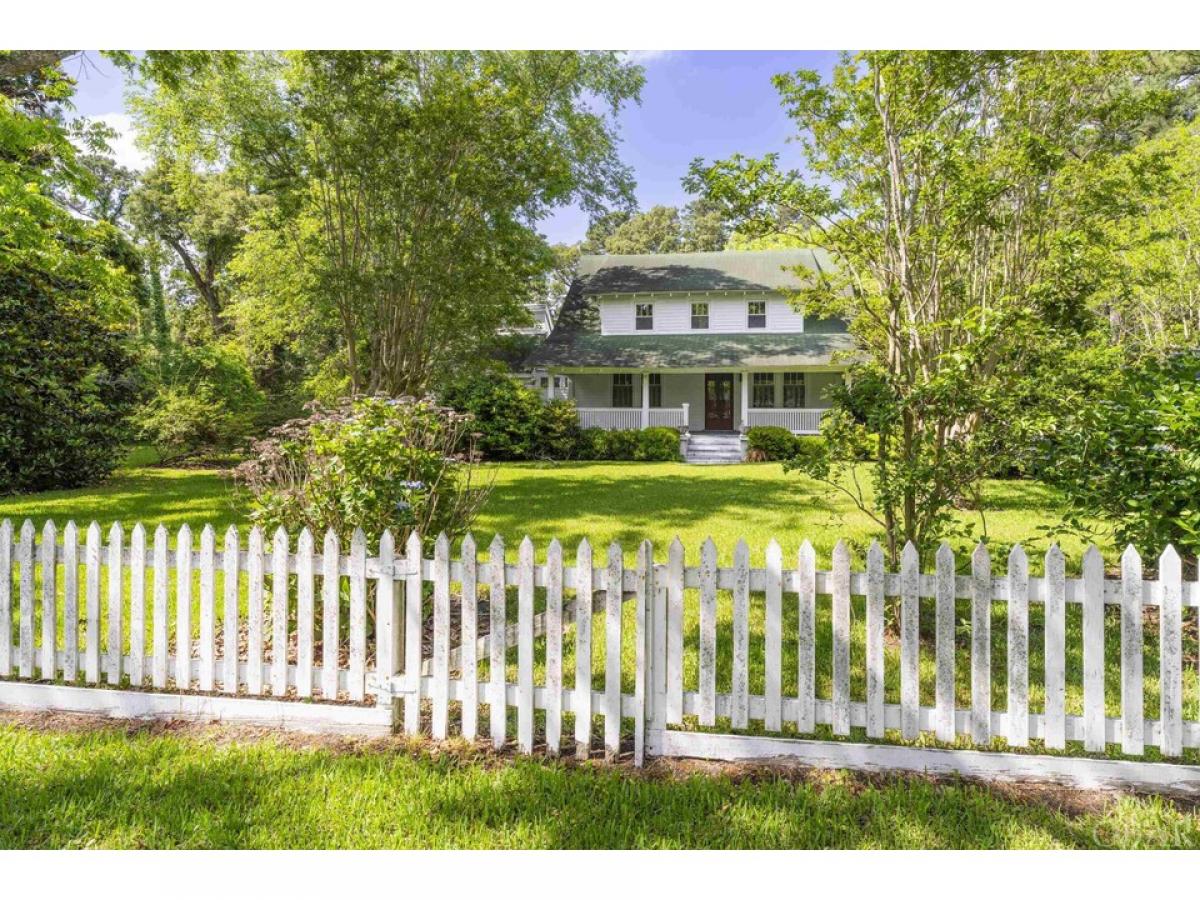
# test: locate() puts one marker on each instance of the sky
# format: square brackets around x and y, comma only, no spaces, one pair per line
[694,103]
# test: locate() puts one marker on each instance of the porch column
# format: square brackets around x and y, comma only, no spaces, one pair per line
[549,386]
[745,400]
[645,400]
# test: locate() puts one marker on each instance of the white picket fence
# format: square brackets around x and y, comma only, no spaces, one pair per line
[252,653]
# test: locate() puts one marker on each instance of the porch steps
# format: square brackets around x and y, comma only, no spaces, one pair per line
[714,447]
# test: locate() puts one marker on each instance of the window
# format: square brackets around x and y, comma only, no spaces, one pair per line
[699,315]
[793,390]
[643,318]
[756,314]
[622,393]
[762,390]
[655,387]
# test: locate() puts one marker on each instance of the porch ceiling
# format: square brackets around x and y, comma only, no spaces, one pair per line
[693,351]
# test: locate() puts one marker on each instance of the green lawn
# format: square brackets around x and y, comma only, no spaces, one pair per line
[115,787]
[604,502]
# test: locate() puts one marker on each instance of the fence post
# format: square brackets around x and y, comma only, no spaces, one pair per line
[645,681]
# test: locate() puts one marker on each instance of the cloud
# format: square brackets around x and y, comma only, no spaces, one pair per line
[124,151]
[646,57]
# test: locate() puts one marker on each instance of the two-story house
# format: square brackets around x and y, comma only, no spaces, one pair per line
[705,342]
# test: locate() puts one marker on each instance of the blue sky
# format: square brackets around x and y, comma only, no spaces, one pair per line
[694,103]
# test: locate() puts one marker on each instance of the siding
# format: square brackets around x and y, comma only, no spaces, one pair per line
[673,315]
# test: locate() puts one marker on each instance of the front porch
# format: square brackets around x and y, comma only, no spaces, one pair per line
[714,401]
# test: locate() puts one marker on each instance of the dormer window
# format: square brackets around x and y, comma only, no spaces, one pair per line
[756,314]
[643,317]
[699,315]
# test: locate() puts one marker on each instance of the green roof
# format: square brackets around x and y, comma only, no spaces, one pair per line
[727,270]
[576,341]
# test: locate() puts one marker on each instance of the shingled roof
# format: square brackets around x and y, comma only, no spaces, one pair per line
[727,270]
[576,341]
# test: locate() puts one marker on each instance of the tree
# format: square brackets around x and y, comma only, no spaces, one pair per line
[664,229]
[202,219]
[954,190]
[408,185]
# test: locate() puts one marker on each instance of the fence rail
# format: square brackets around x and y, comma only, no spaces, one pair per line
[355,634]
[800,421]
[622,418]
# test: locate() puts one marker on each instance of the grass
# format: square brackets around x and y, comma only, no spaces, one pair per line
[144,787]
[604,502]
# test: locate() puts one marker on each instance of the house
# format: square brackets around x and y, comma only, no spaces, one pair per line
[705,342]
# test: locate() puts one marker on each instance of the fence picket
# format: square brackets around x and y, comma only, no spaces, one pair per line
[49,600]
[159,624]
[497,628]
[6,562]
[944,643]
[441,637]
[70,600]
[25,560]
[279,613]
[841,639]
[1132,703]
[413,619]
[330,614]
[981,645]
[584,589]
[642,687]
[773,638]
[208,608]
[875,640]
[356,677]
[910,643]
[708,633]
[183,607]
[1170,636]
[525,647]
[1017,717]
[1093,650]
[137,605]
[91,652]
[116,585]
[674,704]
[612,651]
[306,614]
[229,641]
[554,592]
[469,634]
[388,632]
[806,636]
[254,612]
[1055,650]
[740,717]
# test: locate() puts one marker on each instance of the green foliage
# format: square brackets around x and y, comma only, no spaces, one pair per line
[374,463]
[204,399]
[768,443]
[666,229]
[68,381]
[1131,456]
[657,444]
[510,421]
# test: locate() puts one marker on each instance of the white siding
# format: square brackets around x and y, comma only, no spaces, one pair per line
[673,315]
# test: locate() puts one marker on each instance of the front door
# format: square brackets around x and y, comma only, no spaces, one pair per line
[718,402]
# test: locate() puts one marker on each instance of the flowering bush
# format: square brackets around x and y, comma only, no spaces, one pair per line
[372,463]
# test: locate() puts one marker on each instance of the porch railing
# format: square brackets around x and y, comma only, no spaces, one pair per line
[624,417]
[800,421]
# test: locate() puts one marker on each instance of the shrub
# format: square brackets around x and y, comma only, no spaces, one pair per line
[658,443]
[769,443]
[372,463]
[69,383]
[205,399]
[510,420]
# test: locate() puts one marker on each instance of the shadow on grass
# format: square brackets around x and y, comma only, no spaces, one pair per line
[147,789]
